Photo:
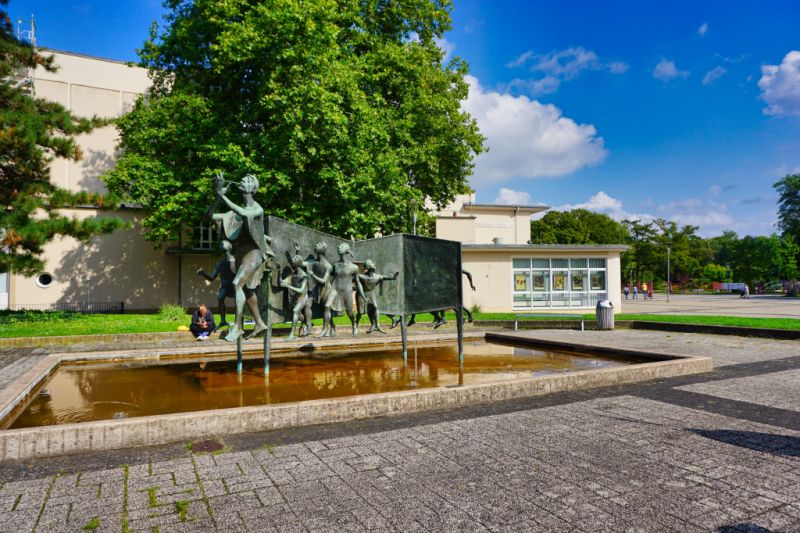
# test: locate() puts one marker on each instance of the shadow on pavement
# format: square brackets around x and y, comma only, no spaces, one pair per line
[762,442]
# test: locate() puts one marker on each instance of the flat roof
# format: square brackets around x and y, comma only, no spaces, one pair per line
[505,207]
[45,49]
[544,247]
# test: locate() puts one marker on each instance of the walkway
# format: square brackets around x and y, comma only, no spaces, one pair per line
[714,304]
[712,452]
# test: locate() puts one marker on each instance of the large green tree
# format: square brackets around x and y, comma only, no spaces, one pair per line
[33,131]
[577,226]
[788,189]
[343,110]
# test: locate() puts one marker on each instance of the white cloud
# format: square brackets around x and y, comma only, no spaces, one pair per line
[507,196]
[527,139]
[534,87]
[780,86]
[713,75]
[617,67]
[603,203]
[712,217]
[666,70]
[559,66]
[703,29]
[447,46]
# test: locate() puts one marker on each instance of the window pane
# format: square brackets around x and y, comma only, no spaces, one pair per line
[597,263]
[522,263]
[522,281]
[599,281]
[579,280]
[577,263]
[560,300]
[541,263]
[559,280]
[559,263]
[522,300]
[541,299]
[541,280]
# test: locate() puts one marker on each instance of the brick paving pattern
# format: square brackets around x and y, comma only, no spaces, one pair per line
[778,389]
[678,454]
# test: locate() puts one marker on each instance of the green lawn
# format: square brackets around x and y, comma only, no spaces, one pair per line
[46,324]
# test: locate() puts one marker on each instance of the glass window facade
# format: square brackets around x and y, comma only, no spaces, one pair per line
[578,282]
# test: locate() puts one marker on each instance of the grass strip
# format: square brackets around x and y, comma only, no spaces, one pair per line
[36,326]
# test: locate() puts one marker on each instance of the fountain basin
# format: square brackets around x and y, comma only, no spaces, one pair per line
[505,381]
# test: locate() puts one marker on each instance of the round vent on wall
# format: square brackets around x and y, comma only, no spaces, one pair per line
[44,280]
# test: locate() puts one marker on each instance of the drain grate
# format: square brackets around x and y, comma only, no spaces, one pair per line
[207,446]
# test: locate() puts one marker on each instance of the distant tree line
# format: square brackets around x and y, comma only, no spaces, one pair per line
[695,261]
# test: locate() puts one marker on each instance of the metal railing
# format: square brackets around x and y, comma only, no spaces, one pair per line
[78,307]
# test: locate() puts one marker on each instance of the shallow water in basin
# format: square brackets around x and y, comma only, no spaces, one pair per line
[80,393]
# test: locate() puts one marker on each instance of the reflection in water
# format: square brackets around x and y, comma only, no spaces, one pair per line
[100,392]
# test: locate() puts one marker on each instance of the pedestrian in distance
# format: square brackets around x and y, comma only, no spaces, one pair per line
[626,291]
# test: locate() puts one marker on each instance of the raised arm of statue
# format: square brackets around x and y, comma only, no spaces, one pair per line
[390,278]
[299,290]
[254,210]
[325,277]
[359,287]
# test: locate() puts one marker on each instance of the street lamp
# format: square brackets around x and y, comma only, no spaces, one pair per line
[669,286]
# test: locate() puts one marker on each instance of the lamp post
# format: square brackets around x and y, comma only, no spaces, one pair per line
[669,286]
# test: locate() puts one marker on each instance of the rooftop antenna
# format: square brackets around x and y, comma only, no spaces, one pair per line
[26,31]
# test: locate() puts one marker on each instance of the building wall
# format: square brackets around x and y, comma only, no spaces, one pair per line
[121,266]
[509,227]
[492,274]
[461,229]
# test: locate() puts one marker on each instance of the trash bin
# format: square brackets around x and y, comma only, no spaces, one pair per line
[605,314]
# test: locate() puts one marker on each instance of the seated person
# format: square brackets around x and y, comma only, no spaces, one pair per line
[202,323]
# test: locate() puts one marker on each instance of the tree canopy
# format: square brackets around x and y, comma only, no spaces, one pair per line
[789,205]
[343,110]
[577,226]
[33,131]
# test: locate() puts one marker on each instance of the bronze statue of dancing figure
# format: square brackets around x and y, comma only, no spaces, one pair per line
[321,271]
[297,285]
[345,276]
[225,270]
[243,227]
[368,302]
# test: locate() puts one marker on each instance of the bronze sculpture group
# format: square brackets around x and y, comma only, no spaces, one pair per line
[312,281]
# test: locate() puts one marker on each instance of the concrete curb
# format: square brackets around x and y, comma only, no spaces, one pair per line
[44,441]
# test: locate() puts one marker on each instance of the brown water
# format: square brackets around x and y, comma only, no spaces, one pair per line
[80,393]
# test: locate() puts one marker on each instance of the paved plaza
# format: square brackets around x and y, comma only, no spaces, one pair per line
[712,452]
[774,306]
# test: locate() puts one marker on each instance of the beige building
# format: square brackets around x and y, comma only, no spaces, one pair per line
[511,275]
[122,269]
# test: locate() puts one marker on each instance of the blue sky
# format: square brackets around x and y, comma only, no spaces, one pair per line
[683,110]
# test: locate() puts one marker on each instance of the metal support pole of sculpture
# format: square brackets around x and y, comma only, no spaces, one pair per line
[267,343]
[239,355]
[404,337]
